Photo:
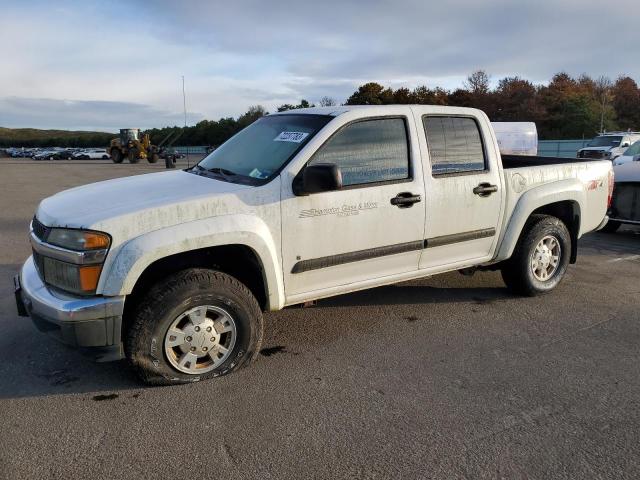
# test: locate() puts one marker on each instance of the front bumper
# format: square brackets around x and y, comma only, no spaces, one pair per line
[77,321]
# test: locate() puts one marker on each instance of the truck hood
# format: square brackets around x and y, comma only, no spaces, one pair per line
[628,172]
[140,203]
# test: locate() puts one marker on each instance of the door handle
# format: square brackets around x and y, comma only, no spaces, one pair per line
[485,189]
[405,200]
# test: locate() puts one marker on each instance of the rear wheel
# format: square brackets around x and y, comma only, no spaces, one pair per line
[116,155]
[540,258]
[195,325]
[611,226]
[153,158]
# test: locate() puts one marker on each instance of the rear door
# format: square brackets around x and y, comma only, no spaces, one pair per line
[358,233]
[463,186]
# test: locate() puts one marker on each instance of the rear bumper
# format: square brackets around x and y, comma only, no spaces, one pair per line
[602,224]
[93,322]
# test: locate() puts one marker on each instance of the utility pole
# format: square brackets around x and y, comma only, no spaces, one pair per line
[184,103]
[184,107]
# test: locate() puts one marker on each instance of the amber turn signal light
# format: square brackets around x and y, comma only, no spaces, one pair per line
[89,276]
[95,240]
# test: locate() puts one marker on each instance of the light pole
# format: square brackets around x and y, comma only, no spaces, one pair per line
[184,107]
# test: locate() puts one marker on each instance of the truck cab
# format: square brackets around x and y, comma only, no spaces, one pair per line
[174,269]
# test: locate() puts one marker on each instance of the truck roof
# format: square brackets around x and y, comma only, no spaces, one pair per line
[607,134]
[340,109]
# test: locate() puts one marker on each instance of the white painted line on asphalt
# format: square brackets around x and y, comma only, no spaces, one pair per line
[619,259]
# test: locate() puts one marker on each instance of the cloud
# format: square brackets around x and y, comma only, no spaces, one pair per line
[236,54]
[84,114]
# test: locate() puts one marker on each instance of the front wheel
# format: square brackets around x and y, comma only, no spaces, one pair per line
[540,258]
[116,155]
[195,325]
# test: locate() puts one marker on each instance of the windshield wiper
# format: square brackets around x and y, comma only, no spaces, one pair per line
[221,171]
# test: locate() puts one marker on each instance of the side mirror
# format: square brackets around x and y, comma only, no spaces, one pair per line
[625,145]
[321,177]
[636,158]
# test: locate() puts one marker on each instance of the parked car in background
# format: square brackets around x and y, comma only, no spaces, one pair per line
[631,154]
[608,145]
[92,154]
[625,204]
[45,155]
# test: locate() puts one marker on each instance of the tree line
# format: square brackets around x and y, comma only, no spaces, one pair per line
[565,108]
[31,137]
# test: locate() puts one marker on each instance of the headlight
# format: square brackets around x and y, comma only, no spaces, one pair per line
[78,240]
[71,259]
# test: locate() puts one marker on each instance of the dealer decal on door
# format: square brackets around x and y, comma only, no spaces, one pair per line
[343,211]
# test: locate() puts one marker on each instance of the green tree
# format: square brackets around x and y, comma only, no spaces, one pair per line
[626,103]
[303,104]
[371,94]
[254,113]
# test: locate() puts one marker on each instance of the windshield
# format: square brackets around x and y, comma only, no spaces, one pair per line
[262,148]
[605,141]
[633,150]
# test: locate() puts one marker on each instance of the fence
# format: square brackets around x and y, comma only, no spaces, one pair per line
[546,148]
[560,148]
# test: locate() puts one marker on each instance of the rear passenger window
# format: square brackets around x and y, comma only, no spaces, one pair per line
[455,145]
[368,151]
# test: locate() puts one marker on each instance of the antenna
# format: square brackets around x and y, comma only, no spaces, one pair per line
[184,107]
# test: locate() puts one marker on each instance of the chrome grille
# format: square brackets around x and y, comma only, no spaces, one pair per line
[39,229]
[592,154]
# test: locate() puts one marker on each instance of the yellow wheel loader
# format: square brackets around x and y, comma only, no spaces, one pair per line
[134,146]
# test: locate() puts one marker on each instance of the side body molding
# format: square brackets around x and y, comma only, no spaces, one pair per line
[529,201]
[136,255]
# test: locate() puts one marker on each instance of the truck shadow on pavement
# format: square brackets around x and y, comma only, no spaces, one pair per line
[46,367]
[33,364]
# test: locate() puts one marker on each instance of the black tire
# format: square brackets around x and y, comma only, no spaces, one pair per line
[153,158]
[170,298]
[133,155]
[611,226]
[517,272]
[169,161]
[116,155]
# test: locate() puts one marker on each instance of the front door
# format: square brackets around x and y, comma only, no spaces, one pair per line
[359,232]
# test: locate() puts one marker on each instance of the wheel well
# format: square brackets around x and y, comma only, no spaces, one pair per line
[569,212]
[238,261]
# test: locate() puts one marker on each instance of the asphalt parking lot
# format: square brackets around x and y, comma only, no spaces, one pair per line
[450,377]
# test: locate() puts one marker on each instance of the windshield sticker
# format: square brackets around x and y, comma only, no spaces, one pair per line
[294,137]
[255,173]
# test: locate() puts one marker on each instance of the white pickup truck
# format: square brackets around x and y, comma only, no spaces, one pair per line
[173,270]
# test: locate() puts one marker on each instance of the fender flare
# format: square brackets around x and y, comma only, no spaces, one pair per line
[133,257]
[564,190]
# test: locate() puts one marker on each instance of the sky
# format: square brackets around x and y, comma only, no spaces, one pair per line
[110,64]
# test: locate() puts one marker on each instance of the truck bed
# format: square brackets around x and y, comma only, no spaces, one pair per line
[519,161]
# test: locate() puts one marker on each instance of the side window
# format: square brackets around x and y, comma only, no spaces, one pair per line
[368,151]
[455,145]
